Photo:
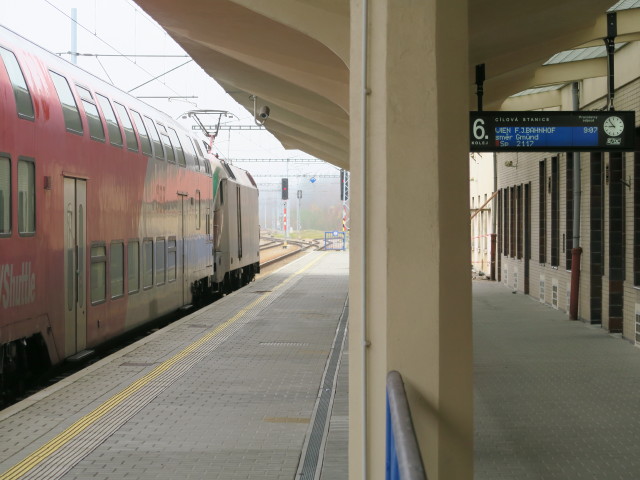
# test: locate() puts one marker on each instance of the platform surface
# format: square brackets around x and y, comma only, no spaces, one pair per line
[233,391]
[554,398]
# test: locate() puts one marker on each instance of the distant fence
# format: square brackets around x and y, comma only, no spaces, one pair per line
[335,240]
[403,455]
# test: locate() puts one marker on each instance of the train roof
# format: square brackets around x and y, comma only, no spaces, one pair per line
[237,175]
[11,39]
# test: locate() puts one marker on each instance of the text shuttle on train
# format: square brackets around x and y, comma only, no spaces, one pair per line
[111,213]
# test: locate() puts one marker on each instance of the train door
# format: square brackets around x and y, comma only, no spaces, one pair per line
[182,268]
[75,272]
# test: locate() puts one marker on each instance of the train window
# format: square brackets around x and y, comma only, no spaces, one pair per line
[133,266]
[178,147]
[129,134]
[26,197]
[85,94]
[171,259]
[200,154]
[24,103]
[168,148]
[207,166]
[96,130]
[98,273]
[69,107]
[161,261]
[253,182]
[198,216]
[157,145]
[5,196]
[195,154]
[142,132]
[116,269]
[115,136]
[228,169]
[147,263]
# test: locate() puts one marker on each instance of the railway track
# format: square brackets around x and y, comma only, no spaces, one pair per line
[274,250]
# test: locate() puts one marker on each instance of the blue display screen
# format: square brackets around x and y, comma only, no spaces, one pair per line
[546,137]
[552,131]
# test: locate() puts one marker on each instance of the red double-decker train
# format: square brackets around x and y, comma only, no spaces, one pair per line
[111,213]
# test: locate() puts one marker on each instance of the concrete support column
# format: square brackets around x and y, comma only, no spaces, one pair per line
[416,286]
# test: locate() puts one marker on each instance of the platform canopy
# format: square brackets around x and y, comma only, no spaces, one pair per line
[293,55]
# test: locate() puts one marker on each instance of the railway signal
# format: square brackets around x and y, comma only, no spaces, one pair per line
[285,189]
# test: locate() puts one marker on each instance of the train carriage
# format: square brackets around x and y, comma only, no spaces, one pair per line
[106,212]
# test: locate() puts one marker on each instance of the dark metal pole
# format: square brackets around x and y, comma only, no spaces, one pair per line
[610,43]
[576,249]
[480,84]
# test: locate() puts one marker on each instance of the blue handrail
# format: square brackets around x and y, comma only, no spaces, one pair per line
[404,461]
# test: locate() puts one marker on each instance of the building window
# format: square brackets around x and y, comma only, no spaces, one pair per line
[569,211]
[5,196]
[555,212]
[116,269]
[542,209]
[133,266]
[512,222]
[24,104]
[520,233]
[147,263]
[161,261]
[69,107]
[129,134]
[500,228]
[505,216]
[171,259]
[115,136]
[26,197]
[527,227]
[142,133]
[98,273]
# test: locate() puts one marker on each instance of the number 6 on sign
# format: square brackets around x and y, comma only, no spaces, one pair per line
[478,129]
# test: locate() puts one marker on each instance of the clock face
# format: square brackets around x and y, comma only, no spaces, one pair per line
[613,126]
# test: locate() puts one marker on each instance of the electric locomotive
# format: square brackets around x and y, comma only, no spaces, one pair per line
[111,213]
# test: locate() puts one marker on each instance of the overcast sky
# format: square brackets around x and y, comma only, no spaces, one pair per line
[120,27]
[114,27]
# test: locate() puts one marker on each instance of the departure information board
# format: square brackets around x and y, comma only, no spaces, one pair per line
[552,131]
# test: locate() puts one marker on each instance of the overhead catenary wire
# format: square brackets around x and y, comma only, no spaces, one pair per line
[125,55]
[103,41]
[161,75]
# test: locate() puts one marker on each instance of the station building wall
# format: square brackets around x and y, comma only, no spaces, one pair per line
[481,188]
[534,221]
